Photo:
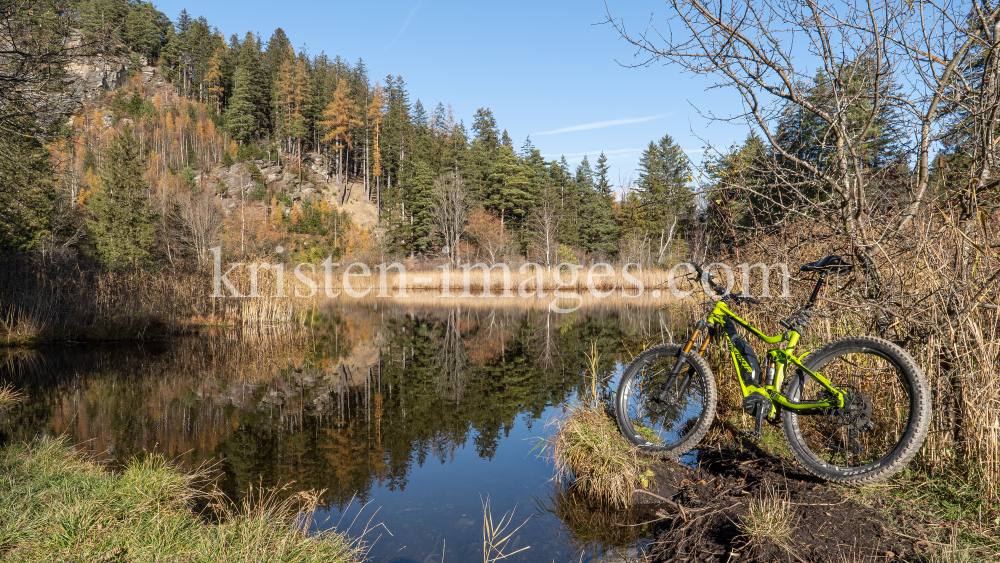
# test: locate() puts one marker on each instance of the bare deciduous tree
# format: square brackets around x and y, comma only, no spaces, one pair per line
[201,221]
[488,233]
[545,223]
[451,210]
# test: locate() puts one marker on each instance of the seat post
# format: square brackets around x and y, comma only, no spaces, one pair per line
[819,283]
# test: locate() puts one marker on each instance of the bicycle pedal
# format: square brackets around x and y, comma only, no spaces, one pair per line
[753,435]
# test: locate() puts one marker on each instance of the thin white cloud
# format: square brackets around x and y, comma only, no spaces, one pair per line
[590,153]
[409,18]
[602,124]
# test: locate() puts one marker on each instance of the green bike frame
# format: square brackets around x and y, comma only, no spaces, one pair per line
[781,358]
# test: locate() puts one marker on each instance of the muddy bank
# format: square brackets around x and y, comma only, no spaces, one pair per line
[703,515]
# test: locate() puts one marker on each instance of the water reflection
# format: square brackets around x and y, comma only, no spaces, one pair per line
[419,411]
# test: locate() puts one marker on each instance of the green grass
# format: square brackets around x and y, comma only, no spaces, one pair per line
[57,505]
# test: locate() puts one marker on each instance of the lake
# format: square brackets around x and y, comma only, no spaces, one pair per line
[408,416]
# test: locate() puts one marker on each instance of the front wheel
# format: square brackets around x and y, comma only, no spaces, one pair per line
[661,414]
[883,423]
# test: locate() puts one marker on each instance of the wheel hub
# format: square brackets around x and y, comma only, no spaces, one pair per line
[855,415]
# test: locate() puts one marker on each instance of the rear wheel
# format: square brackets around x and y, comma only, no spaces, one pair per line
[664,415]
[884,420]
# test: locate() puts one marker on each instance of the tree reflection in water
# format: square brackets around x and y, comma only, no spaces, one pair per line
[347,400]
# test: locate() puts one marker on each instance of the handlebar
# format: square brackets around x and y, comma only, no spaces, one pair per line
[723,293]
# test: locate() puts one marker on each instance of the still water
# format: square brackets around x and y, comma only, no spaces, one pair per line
[408,417]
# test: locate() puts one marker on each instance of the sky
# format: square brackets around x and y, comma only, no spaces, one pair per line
[547,69]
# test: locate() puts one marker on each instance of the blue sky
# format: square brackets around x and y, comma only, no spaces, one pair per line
[544,68]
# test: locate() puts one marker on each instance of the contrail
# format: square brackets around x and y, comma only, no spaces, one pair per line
[409,18]
[602,124]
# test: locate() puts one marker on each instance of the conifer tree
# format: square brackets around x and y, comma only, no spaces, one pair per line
[600,211]
[26,190]
[292,98]
[121,221]
[508,195]
[214,78]
[375,109]
[240,113]
[419,194]
[485,147]
[419,115]
[340,120]
[664,194]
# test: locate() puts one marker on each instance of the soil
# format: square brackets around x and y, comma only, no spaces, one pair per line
[700,510]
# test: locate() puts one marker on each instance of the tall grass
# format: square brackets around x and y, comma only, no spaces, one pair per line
[56,505]
[45,300]
[478,282]
[591,454]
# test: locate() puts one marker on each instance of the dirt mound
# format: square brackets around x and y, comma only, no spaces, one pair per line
[706,513]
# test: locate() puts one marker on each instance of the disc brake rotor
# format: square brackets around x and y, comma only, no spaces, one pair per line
[855,417]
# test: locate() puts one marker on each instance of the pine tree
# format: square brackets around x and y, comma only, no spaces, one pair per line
[506,141]
[121,221]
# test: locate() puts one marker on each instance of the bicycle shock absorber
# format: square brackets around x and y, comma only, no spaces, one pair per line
[664,393]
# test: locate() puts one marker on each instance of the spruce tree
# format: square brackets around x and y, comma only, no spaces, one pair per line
[601,211]
[508,194]
[664,193]
[240,113]
[26,190]
[121,223]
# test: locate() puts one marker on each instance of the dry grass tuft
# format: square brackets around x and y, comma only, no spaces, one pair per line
[589,451]
[496,538]
[768,521]
[9,396]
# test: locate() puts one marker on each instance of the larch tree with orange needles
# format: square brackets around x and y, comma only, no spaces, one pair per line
[213,79]
[340,120]
[375,116]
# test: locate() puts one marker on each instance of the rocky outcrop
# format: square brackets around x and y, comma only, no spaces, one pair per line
[91,74]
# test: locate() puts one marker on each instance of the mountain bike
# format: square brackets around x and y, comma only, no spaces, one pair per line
[854,411]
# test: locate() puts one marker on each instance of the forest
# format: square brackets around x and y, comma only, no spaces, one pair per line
[132,192]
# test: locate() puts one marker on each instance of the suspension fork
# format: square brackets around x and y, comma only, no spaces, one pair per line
[679,365]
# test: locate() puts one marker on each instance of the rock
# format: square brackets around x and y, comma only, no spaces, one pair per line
[89,75]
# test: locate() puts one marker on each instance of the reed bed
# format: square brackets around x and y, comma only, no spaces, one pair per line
[43,301]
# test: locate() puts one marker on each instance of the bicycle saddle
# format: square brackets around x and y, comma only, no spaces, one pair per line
[831,265]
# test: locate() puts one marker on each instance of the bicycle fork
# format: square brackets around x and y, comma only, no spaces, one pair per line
[664,394]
